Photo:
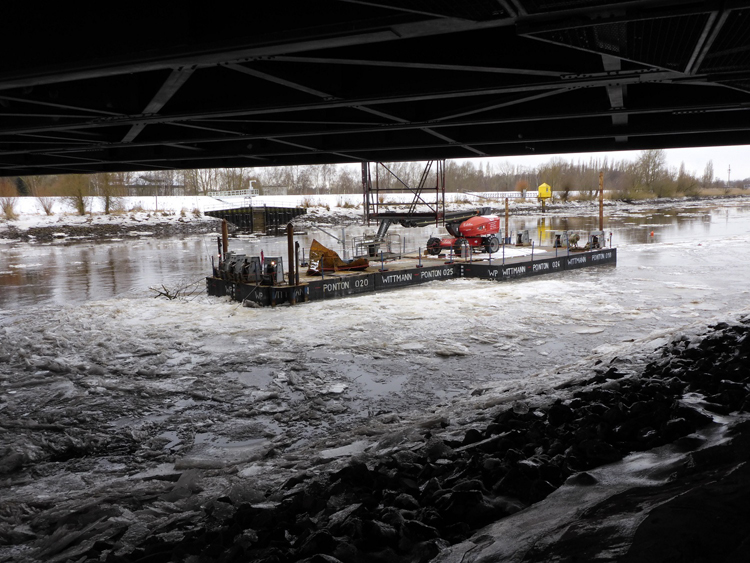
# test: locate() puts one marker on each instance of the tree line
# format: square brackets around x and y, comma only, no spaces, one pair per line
[646,176]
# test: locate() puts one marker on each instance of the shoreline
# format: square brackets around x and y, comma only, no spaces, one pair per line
[173,221]
[70,234]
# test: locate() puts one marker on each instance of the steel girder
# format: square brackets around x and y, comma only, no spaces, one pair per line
[382,80]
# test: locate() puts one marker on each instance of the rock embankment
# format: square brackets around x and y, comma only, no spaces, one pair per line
[427,494]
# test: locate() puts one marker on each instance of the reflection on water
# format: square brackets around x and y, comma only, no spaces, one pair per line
[55,274]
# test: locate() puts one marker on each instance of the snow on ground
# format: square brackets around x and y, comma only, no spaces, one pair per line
[325,208]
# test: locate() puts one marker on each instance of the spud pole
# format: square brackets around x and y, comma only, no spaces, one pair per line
[601,201]
[290,256]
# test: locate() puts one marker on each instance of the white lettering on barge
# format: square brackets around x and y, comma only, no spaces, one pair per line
[396,278]
[577,260]
[336,286]
[517,271]
[428,274]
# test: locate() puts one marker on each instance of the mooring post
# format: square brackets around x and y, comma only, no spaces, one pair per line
[532,251]
[503,253]
[224,236]
[419,255]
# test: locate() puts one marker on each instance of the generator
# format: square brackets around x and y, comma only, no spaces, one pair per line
[522,238]
[273,270]
[230,268]
[248,269]
[597,239]
[560,239]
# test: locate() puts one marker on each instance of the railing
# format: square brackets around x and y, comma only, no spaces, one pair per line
[235,193]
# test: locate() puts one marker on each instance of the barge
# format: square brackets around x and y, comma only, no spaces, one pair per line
[407,271]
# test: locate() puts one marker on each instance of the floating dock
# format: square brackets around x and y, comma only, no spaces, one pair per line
[408,272]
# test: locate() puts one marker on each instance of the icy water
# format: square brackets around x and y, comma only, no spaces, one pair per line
[416,345]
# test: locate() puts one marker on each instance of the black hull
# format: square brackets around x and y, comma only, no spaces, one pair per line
[333,286]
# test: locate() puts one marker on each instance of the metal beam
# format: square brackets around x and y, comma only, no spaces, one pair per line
[605,14]
[503,104]
[572,83]
[512,10]
[240,121]
[428,130]
[616,96]
[58,106]
[173,83]
[571,134]
[715,23]
[419,65]
[345,37]
[514,120]
[296,86]
[397,8]
[453,142]
[275,79]
[404,126]
[520,10]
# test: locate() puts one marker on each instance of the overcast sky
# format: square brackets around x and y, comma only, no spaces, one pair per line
[738,157]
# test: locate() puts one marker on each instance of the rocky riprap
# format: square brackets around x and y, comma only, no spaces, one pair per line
[424,495]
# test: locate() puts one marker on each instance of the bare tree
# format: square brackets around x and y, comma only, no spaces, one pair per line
[707,180]
[42,187]
[348,182]
[201,181]
[553,172]
[236,179]
[687,184]
[77,190]
[508,173]
[110,187]
[327,175]
[8,198]
[651,166]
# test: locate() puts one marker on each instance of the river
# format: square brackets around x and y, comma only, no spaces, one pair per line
[254,396]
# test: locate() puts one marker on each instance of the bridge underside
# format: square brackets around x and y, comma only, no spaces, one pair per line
[332,81]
